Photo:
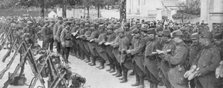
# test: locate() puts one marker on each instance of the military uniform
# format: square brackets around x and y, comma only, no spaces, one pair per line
[66,42]
[137,52]
[208,60]
[151,61]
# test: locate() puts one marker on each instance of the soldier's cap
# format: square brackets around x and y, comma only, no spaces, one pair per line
[109,31]
[166,32]
[29,22]
[110,26]
[151,31]
[194,36]
[135,30]
[92,28]
[159,29]
[67,23]
[177,33]
[86,24]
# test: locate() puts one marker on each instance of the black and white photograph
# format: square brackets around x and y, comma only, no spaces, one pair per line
[111,43]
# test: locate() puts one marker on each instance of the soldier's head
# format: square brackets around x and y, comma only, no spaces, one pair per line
[151,33]
[126,27]
[177,36]
[195,37]
[29,23]
[205,42]
[138,25]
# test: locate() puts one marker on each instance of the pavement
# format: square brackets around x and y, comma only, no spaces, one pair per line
[95,78]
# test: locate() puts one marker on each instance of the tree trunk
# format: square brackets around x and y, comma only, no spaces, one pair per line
[88,11]
[42,9]
[64,14]
[123,10]
[98,11]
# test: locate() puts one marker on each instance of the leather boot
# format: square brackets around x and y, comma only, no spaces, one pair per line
[153,85]
[124,78]
[92,64]
[141,82]
[115,73]
[112,70]
[137,81]
[119,74]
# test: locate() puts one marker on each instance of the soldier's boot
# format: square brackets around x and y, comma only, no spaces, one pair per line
[124,78]
[137,81]
[141,82]
[109,69]
[112,69]
[153,85]
[93,62]
[119,71]
[87,59]
[102,65]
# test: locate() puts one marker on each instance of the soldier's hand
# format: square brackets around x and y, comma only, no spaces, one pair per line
[128,51]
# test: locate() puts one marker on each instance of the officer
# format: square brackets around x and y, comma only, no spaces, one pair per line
[66,42]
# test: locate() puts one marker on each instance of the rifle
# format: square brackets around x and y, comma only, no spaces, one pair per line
[10,62]
[9,52]
[6,84]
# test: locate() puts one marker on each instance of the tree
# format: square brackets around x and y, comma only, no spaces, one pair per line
[123,10]
[188,10]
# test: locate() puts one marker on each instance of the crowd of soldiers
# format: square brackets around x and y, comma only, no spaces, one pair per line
[172,54]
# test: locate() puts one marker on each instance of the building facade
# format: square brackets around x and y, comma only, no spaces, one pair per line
[151,9]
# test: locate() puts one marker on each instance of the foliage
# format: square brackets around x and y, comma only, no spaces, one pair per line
[188,10]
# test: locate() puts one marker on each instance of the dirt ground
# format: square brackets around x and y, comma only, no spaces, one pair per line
[95,78]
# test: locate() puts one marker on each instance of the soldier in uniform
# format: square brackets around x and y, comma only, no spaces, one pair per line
[151,60]
[66,42]
[167,44]
[137,51]
[207,62]
[55,29]
[194,50]
[29,33]
[124,45]
[177,62]
[47,34]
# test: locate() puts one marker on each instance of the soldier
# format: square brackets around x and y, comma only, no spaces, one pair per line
[55,29]
[137,51]
[177,62]
[66,42]
[193,53]
[124,44]
[29,33]
[151,60]
[47,34]
[167,44]
[207,62]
